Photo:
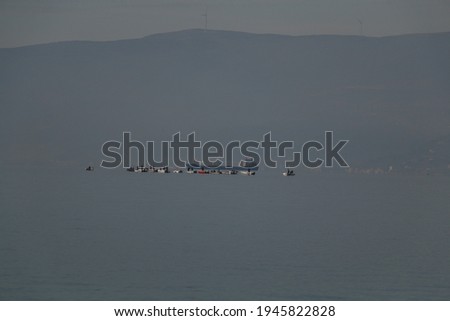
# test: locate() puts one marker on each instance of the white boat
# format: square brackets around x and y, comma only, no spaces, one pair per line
[229,172]
[177,171]
[163,170]
[137,169]
[289,172]
[248,173]
[248,166]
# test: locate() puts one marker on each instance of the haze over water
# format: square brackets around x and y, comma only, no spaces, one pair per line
[375,73]
[67,234]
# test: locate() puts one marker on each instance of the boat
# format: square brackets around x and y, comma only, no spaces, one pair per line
[177,171]
[248,172]
[90,168]
[191,170]
[137,169]
[289,172]
[163,170]
[230,172]
[248,166]
[141,169]
[245,166]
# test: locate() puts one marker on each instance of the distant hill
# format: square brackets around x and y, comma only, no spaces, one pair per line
[390,96]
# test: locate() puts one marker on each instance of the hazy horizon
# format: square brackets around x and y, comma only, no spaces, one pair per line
[232,31]
[24,22]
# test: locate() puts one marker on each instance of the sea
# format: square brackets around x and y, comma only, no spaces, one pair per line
[69,234]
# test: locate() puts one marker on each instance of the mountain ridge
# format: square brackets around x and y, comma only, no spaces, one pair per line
[219,31]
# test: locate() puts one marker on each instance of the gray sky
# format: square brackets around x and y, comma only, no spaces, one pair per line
[24,22]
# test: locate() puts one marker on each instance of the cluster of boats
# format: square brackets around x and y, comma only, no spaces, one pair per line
[143,169]
[245,167]
[189,170]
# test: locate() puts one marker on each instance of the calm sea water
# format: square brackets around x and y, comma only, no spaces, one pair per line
[112,235]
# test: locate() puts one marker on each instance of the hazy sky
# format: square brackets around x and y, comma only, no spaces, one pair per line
[24,22]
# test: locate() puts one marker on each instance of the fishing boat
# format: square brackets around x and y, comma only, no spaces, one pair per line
[248,166]
[248,172]
[289,172]
[163,170]
[229,172]
[191,171]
